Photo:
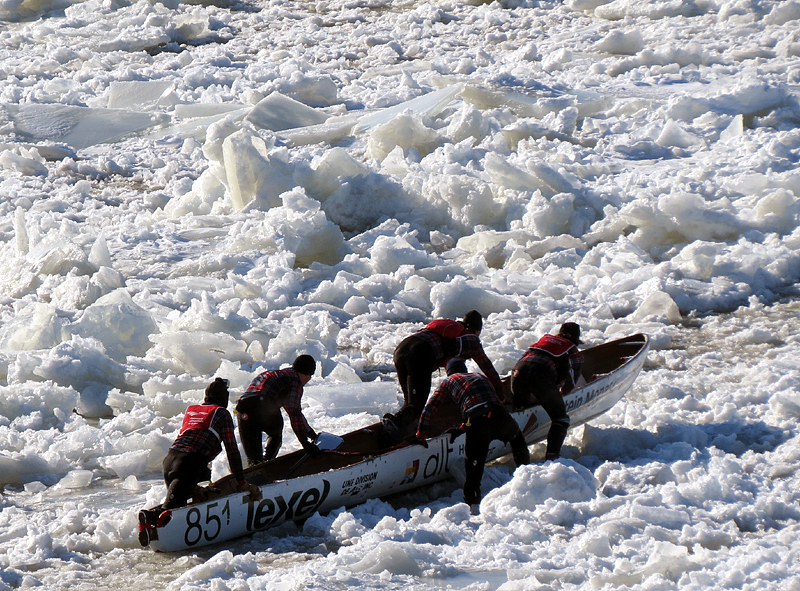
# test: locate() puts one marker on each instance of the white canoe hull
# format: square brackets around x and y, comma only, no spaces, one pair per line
[398,470]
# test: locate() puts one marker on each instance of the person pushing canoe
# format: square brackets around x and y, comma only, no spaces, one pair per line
[485,419]
[420,354]
[205,429]
[546,373]
[259,410]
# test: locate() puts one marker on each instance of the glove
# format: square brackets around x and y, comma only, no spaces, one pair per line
[454,433]
[252,489]
[311,449]
[312,436]
[201,494]
[416,440]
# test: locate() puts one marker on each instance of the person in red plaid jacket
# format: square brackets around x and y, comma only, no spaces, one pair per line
[205,429]
[259,410]
[546,373]
[485,419]
[420,354]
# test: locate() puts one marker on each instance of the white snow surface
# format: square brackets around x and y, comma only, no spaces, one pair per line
[192,190]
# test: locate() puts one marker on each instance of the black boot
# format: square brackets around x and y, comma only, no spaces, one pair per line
[520,451]
[555,439]
[147,521]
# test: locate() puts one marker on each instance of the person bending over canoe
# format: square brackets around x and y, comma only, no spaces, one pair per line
[546,373]
[206,428]
[419,355]
[259,410]
[485,419]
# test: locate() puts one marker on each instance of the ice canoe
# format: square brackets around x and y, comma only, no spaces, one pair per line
[295,486]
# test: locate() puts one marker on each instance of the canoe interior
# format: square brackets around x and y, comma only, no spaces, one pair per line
[366,442]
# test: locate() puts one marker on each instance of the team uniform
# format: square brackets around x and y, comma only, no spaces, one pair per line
[419,355]
[205,429]
[259,411]
[485,419]
[547,371]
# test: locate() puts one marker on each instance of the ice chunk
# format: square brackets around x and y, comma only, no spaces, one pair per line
[467,122]
[131,483]
[335,128]
[535,105]
[99,256]
[454,299]
[92,401]
[390,252]
[142,95]
[660,305]
[127,464]
[785,404]
[509,176]
[250,173]
[35,398]
[344,373]
[21,10]
[430,105]
[670,560]
[407,130]
[25,161]
[278,112]
[536,484]
[78,127]
[389,556]
[312,332]
[734,130]
[783,12]
[200,352]
[76,479]
[198,118]
[309,233]
[559,181]
[17,468]
[334,165]
[120,324]
[312,89]
[36,326]
[747,98]
[673,135]
[621,42]
[584,5]
[75,363]
[57,256]
[212,110]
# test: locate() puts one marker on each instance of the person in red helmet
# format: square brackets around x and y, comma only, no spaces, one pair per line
[205,429]
[546,373]
[485,419]
[420,354]
[259,410]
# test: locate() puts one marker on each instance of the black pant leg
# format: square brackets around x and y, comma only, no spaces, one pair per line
[249,430]
[414,363]
[535,383]
[272,424]
[523,383]
[255,418]
[476,447]
[502,426]
[182,472]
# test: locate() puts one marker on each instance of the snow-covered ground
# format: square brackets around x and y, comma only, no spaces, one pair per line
[192,190]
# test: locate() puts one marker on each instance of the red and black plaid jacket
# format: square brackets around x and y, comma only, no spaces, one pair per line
[209,442]
[470,391]
[284,389]
[566,367]
[467,346]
